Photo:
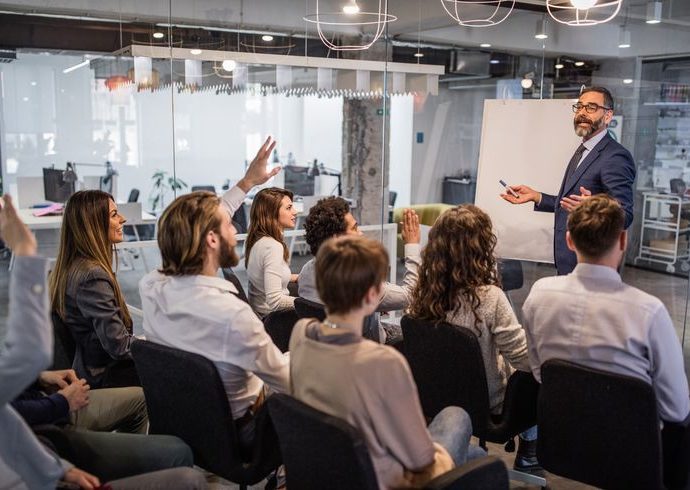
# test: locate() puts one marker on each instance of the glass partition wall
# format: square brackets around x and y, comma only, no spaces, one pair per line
[179,95]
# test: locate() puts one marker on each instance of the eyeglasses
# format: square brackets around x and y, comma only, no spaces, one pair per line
[591,108]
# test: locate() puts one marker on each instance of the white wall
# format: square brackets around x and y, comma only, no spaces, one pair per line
[401,138]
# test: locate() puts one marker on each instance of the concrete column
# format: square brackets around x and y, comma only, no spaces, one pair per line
[363,155]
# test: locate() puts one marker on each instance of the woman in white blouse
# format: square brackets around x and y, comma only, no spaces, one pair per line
[267,254]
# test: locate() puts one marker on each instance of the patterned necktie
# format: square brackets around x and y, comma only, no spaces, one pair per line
[574,161]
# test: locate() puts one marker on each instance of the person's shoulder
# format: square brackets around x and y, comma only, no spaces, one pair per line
[642,298]
[614,146]
[269,244]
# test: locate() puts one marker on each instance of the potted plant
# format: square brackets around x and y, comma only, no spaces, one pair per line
[162,184]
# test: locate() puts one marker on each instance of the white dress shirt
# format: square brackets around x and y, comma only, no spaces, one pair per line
[591,317]
[201,314]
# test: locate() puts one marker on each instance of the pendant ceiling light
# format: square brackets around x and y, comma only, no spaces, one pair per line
[351,16]
[579,13]
[478,13]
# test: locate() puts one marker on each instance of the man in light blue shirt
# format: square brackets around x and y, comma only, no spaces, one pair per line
[591,317]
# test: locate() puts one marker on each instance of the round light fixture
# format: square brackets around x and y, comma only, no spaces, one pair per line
[583,4]
[494,62]
[195,51]
[654,10]
[485,45]
[267,38]
[351,8]
[418,55]
[627,81]
[579,63]
[540,32]
[229,65]
[158,35]
[559,66]
[34,83]
[526,83]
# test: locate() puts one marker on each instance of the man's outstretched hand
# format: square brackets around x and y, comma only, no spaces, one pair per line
[257,172]
[524,194]
[574,200]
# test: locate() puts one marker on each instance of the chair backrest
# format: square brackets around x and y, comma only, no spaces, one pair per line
[597,427]
[185,397]
[319,450]
[511,273]
[279,324]
[64,345]
[133,195]
[209,188]
[229,275]
[239,220]
[482,473]
[392,197]
[677,186]
[446,362]
[309,309]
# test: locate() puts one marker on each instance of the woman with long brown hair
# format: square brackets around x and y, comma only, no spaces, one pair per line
[459,284]
[266,254]
[85,294]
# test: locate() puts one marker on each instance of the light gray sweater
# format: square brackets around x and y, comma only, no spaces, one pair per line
[501,339]
[27,349]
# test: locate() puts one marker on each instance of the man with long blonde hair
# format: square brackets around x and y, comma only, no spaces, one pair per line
[187,306]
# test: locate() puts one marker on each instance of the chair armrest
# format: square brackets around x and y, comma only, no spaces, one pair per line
[488,472]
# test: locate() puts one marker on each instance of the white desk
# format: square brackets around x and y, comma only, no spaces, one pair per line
[55,222]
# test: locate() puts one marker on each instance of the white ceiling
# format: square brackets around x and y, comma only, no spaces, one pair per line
[423,19]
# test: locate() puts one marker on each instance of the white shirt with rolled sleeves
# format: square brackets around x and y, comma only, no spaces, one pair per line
[201,314]
[591,317]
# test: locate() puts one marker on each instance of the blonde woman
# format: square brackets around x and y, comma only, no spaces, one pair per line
[85,294]
[267,254]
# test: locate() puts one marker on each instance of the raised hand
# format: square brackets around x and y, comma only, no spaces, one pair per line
[410,227]
[574,200]
[13,230]
[257,172]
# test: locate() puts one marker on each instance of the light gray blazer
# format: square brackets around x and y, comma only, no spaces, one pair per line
[27,349]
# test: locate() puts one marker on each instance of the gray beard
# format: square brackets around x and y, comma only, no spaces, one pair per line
[593,128]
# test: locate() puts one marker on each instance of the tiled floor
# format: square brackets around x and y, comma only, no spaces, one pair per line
[671,290]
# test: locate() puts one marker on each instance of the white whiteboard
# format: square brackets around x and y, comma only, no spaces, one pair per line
[523,142]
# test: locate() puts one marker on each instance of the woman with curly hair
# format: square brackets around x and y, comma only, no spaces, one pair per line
[267,254]
[459,284]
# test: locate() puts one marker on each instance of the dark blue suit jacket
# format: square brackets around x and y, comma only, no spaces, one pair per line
[608,168]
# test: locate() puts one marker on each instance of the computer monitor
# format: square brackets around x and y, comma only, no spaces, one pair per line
[55,188]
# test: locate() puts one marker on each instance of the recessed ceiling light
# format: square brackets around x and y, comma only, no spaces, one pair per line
[579,63]
[526,83]
[494,62]
[229,65]
[351,8]
[158,35]
[418,55]
[540,32]
[559,66]
[628,80]
[624,39]
[25,99]
[195,51]
[653,12]
[33,83]
[485,45]
[267,38]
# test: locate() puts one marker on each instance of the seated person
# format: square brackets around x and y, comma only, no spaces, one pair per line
[592,318]
[367,384]
[24,462]
[459,284]
[331,217]
[187,306]
[266,254]
[54,395]
[85,294]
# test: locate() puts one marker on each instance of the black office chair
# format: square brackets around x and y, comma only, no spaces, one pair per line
[511,274]
[185,397]
[321,451]
[447,365]
[602,429]
[64,345]
[209,188]
[309,309]
[229,275]
[278,325]
[239,220]
[133,195]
